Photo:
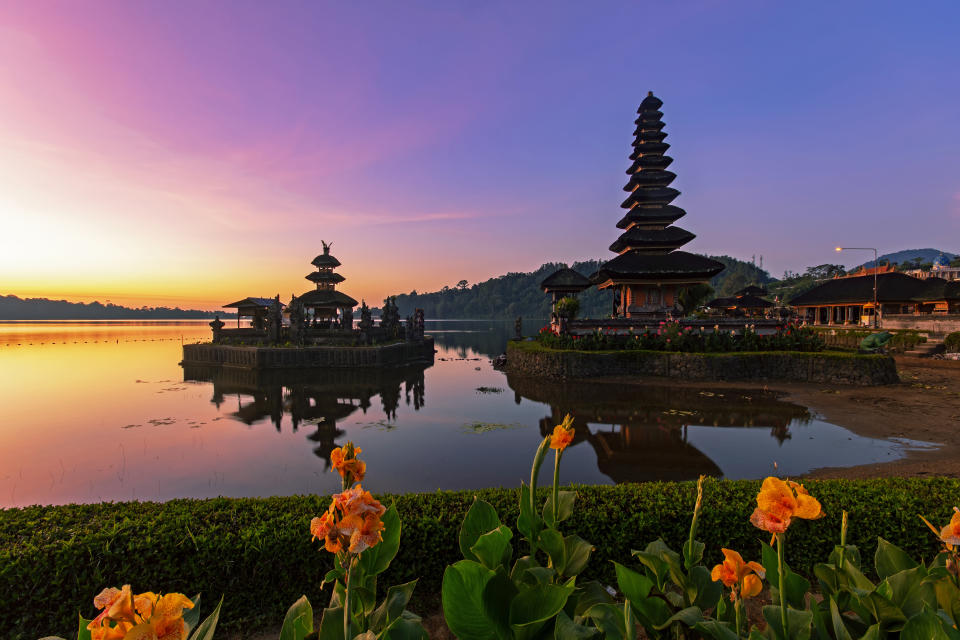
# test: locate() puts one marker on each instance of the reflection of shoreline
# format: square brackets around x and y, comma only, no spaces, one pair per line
[311,396]
[647,438]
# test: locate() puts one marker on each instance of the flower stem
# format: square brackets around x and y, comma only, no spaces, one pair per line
[556,490]
[843,538]
[783,585]
[346,602]
[737,609]
[688,556]
[534,472]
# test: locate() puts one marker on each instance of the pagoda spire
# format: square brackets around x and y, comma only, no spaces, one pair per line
[649,212]
[649,272]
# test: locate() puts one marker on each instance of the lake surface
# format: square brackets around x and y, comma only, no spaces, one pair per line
[99,411]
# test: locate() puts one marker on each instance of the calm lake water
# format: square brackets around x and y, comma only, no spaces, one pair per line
[99,411]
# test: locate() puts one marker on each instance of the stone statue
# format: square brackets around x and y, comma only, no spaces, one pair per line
[217,326]
[298,327]
[274,321]
[418,323]
[390,318]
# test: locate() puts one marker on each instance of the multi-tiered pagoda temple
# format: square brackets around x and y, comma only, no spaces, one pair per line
[649,271]
[326,301]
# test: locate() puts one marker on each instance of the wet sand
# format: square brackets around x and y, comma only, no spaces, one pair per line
[924,406]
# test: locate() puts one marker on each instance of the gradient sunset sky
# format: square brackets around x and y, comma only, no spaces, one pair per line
[193,153]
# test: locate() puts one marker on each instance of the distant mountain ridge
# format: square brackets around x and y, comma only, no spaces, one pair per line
[14,308]
[925,255]
[519,294]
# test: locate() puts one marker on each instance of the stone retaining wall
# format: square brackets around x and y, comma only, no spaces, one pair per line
[935,324]
[529,358]
[391,355]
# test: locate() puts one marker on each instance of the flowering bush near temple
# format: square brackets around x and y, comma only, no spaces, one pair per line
[672,336]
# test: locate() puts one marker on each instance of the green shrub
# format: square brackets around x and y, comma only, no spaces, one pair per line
[902,340]
[952,342]
[257,552]
[671,336]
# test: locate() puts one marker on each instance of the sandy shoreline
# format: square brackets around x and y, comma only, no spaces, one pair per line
[924,406]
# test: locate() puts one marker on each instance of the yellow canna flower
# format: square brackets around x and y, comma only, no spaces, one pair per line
[743,578]
[562,434]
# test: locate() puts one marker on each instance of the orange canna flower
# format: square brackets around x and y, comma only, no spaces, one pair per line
[345,461]
[116,605]
[357,501]
[743,577]
[106,632]
[165,619]
[752,586]
[364,532]
[157,618]
[325,528]
[779,502]
[950,534]
[562,434]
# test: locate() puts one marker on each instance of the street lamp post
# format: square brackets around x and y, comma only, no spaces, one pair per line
[876,266]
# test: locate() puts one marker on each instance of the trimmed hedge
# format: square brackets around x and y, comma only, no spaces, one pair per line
[902,340]
[257,551]
[952,342]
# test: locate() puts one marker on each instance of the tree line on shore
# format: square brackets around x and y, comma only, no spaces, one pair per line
[14,308]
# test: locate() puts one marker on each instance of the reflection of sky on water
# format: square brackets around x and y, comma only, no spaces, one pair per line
[741,454]
[102,411]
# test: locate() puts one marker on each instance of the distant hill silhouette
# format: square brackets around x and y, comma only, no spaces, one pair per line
[924,255]
[14,308]
[519,293]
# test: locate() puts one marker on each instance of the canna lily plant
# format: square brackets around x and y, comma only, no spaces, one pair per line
[668,594]
[490,595]
[146,616]
[363,537]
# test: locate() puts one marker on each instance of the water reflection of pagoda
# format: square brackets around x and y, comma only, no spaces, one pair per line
[643,432]
[319,398]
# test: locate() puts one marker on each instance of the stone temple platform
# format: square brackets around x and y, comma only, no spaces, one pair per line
[398,354]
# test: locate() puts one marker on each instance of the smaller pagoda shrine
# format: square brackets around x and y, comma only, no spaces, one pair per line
[325,306]
[649,271]
[564,283]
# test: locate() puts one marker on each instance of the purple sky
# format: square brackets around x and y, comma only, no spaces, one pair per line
[194,152]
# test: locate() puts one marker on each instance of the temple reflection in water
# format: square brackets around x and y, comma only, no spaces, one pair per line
[640,432]
[314,398]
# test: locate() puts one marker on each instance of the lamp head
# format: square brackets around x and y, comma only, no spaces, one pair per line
[839,248]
